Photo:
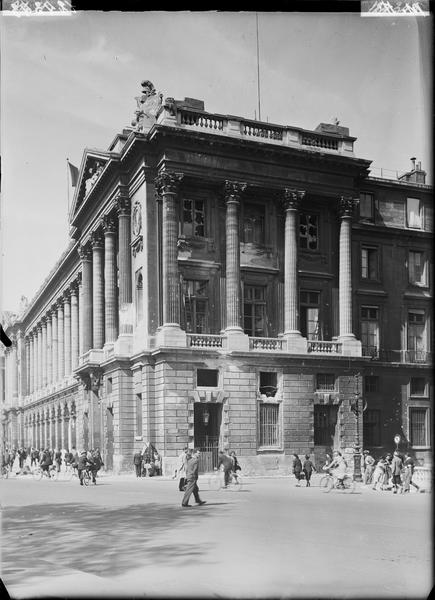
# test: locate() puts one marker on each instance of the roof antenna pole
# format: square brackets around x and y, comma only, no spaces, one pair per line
[258,69]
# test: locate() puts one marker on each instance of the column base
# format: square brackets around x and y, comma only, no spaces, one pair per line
[236,339]
[296,344]
[123,345]
[171,335]
[350,346]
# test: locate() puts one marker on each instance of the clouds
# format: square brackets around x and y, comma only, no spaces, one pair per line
[70,83]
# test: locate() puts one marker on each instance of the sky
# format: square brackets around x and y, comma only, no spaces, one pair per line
[68,83]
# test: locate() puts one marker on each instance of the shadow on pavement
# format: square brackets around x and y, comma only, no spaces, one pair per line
[103,541]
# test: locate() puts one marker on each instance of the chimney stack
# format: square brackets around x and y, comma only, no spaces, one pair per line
[412,159]
[416,175]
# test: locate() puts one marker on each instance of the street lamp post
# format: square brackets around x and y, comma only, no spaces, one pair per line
[357,450]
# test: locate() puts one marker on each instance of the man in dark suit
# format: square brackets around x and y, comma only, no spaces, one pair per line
[227,465]
[191,479]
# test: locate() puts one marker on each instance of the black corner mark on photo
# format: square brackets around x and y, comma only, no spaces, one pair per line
[3,590]
[4,338]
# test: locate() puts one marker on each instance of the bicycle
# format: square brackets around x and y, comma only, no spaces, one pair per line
[216,482]
[347,485]
[87,476]
[38,473]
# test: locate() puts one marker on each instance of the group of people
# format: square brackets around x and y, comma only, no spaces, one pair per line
[303,471]
[147,462]
[49,459]
[392,471]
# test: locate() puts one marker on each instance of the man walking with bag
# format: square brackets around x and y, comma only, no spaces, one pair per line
[191,479]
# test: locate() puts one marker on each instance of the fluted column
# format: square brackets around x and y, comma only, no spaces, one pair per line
[233,191]
[67,333]
[110,280]
[27,343]
[30,337]
[98,288]
[60,341]
[35,360]
[292,200]
[14,371]
[44,351]
[49,349]
[124,253]
[346,206]
[167,185]
[86,312]
[54,345]
[39,367]
[74,326]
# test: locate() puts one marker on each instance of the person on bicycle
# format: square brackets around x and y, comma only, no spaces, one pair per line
[46,462]
[236,466]
[338,468]
[227,465]
[96,463]
[83,463]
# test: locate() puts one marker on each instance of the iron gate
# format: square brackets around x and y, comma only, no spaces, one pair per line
[209,449]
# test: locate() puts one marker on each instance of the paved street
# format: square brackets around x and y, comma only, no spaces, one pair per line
[130,537]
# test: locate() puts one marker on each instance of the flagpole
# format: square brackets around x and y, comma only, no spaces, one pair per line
[258,69]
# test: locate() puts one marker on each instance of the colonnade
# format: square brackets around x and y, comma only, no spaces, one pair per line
[167,186]
[52,426]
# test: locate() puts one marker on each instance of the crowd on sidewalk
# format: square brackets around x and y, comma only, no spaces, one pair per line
[23,461]
[393,471]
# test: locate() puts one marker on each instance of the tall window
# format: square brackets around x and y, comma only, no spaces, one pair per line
[308,232]
[138,414]
[254,311]
[193,221]
[369,263]
[419,426]
[370,330]
[195,303]
[269,424]
[309,311]
[416,337]
[325,421]
[139,296]
[413,213]
[372,427]
[366,207]
[253,223]
[417,268]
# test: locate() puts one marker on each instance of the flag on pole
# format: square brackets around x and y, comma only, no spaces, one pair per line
[74,173]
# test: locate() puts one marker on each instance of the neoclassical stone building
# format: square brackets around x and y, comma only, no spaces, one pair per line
[230,283]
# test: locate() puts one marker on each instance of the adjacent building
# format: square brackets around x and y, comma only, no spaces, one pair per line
[235,284]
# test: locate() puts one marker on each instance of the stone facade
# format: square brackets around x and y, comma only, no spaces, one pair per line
[229,284]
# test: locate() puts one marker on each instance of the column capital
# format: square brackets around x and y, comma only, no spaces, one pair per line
[167,182]
[66,296]
[108,224]
[53,308]
[233,190]
[123,205]
[97,240]
[73,288]
[44,321]
[346,206]
[85,252]
[292,198]
[79,278]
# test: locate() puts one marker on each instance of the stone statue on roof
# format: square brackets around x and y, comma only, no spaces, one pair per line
[148,105]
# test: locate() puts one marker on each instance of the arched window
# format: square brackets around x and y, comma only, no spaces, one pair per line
[139,296]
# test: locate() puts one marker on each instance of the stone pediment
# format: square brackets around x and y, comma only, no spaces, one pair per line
[93,164]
